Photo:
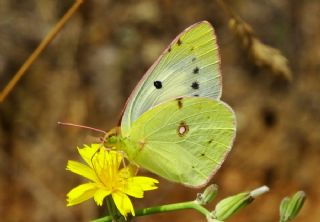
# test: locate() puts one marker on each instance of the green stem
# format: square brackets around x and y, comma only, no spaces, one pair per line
[164,208]
[110,207]
[113,211]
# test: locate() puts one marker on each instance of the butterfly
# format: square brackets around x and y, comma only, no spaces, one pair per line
[174,123]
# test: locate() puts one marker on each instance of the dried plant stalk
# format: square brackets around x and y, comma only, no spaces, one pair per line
[261,54]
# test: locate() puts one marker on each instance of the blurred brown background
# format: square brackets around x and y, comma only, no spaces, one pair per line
[87,73]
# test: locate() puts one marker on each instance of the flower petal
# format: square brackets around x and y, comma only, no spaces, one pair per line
[82,170]
[88,152]
[116,158]
[100,195]
[137,185]
[103,170]
[105,159]
[132,189]
[146,183]
[81,193]
[123,203]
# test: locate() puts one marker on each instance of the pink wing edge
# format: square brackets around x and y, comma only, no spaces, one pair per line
[147,73]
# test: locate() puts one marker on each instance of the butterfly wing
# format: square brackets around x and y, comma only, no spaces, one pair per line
[183,140]
[188,67]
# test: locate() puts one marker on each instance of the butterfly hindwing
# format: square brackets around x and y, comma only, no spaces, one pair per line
[183,140]
[188,67]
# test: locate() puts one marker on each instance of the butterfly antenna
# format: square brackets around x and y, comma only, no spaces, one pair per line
[82,126]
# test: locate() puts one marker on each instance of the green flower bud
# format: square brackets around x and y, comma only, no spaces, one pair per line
[208,195]
[290,207]
[231,205]
[283,207]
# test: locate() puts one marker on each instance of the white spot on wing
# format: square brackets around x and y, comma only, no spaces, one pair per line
[182,130]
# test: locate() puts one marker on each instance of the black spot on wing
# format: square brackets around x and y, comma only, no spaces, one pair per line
[195,85]
[180,104]
[179,42]
[157,84]
[196,70]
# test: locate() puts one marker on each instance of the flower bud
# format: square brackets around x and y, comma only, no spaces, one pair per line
[231,205]
[208,195]
[290,207]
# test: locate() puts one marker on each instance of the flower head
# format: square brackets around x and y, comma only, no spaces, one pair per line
[102,168]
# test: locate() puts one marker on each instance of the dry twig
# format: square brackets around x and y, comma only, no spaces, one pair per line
[261,54]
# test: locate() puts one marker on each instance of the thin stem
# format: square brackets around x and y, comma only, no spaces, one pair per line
[110,207]
[114,212]
[173,207]
[163,209]
[44,43]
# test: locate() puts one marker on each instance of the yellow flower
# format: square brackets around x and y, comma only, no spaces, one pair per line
[103,169]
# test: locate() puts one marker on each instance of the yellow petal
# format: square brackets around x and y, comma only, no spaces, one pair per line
[100,195]
[103,163]
[106,160]
[116,158]
[81,193]
[132,189]
[137,185]
[88,152]
[82,170]
[123,203]
[146,183]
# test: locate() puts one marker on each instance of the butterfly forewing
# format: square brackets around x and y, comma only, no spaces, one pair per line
[183,140]
[188,67]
